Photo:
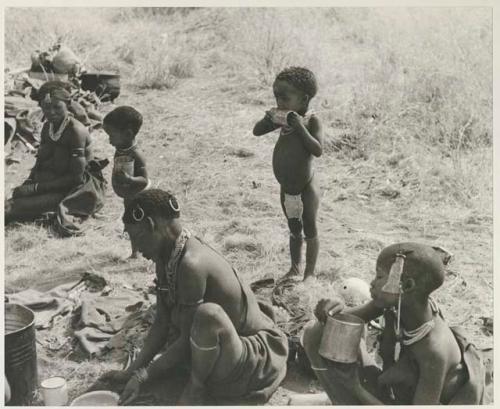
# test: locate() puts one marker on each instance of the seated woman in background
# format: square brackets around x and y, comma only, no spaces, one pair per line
[66,180]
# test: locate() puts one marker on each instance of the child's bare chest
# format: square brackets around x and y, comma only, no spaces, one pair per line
[290,147]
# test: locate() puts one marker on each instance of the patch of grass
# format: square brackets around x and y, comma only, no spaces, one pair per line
[238,241]
[182,66]
[155,77]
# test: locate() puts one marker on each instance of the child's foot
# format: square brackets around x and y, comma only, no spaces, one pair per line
[312,249]
[294,271]
[308,279]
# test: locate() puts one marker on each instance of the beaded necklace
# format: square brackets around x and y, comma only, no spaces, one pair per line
[413,336]
[55,136]
[168,287]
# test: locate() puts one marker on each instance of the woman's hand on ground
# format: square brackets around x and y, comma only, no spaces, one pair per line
[24,190]
[116,377]
[328,307]
[131,391]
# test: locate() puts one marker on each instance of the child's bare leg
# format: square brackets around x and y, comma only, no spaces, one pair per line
[310,199]
[337,393]
[295,241]
[216,349]
[134,250]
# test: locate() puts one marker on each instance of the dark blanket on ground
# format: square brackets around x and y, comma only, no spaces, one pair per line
[81,202]
[102,320]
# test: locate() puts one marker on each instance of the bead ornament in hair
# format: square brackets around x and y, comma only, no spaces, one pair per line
[393,284]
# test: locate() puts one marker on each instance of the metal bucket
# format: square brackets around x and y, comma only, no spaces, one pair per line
[105,84]
[20,354]
[341,336]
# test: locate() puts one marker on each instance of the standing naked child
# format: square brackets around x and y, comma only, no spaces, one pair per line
[129,171]
[425,362]
[300,139]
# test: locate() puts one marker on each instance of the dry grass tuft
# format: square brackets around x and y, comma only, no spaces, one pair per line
[241,242]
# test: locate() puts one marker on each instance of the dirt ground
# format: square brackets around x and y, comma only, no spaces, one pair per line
[230,197]
[197,138]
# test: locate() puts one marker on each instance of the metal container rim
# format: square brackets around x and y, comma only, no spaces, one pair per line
[22,307]
[53,387]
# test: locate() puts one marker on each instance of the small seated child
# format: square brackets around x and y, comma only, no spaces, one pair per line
[129,171]
[425,362]
[300,139]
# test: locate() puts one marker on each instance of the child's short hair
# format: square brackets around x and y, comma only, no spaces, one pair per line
[301,78]
[423,263]
[124,117]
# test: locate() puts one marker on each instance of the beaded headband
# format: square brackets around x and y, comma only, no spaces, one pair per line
[56,94]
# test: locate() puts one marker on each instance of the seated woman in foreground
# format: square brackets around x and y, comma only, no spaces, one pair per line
[229,343]
[65,179]
[427,362]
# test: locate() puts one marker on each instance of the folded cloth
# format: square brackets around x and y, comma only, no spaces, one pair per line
[102,321]
[82,202]
[472,391]
[293,206]
[92,340]
[259,372]
[48,305]
[95,318]
[27,116]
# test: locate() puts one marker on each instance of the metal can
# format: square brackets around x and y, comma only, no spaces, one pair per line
[55,391]
[341,337]
[279,116]
[124,164]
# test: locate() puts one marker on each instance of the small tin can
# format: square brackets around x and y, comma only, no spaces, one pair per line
[124,164]
[279,116]
[55,391]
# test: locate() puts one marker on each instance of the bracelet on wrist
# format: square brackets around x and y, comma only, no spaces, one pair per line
[141,375]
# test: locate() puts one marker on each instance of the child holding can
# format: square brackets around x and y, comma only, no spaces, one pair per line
[425,362]
[299,141]
[129,171]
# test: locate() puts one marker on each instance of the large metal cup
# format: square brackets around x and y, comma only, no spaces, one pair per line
[341,337]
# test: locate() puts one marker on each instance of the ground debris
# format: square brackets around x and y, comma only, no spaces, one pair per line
[487,325]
